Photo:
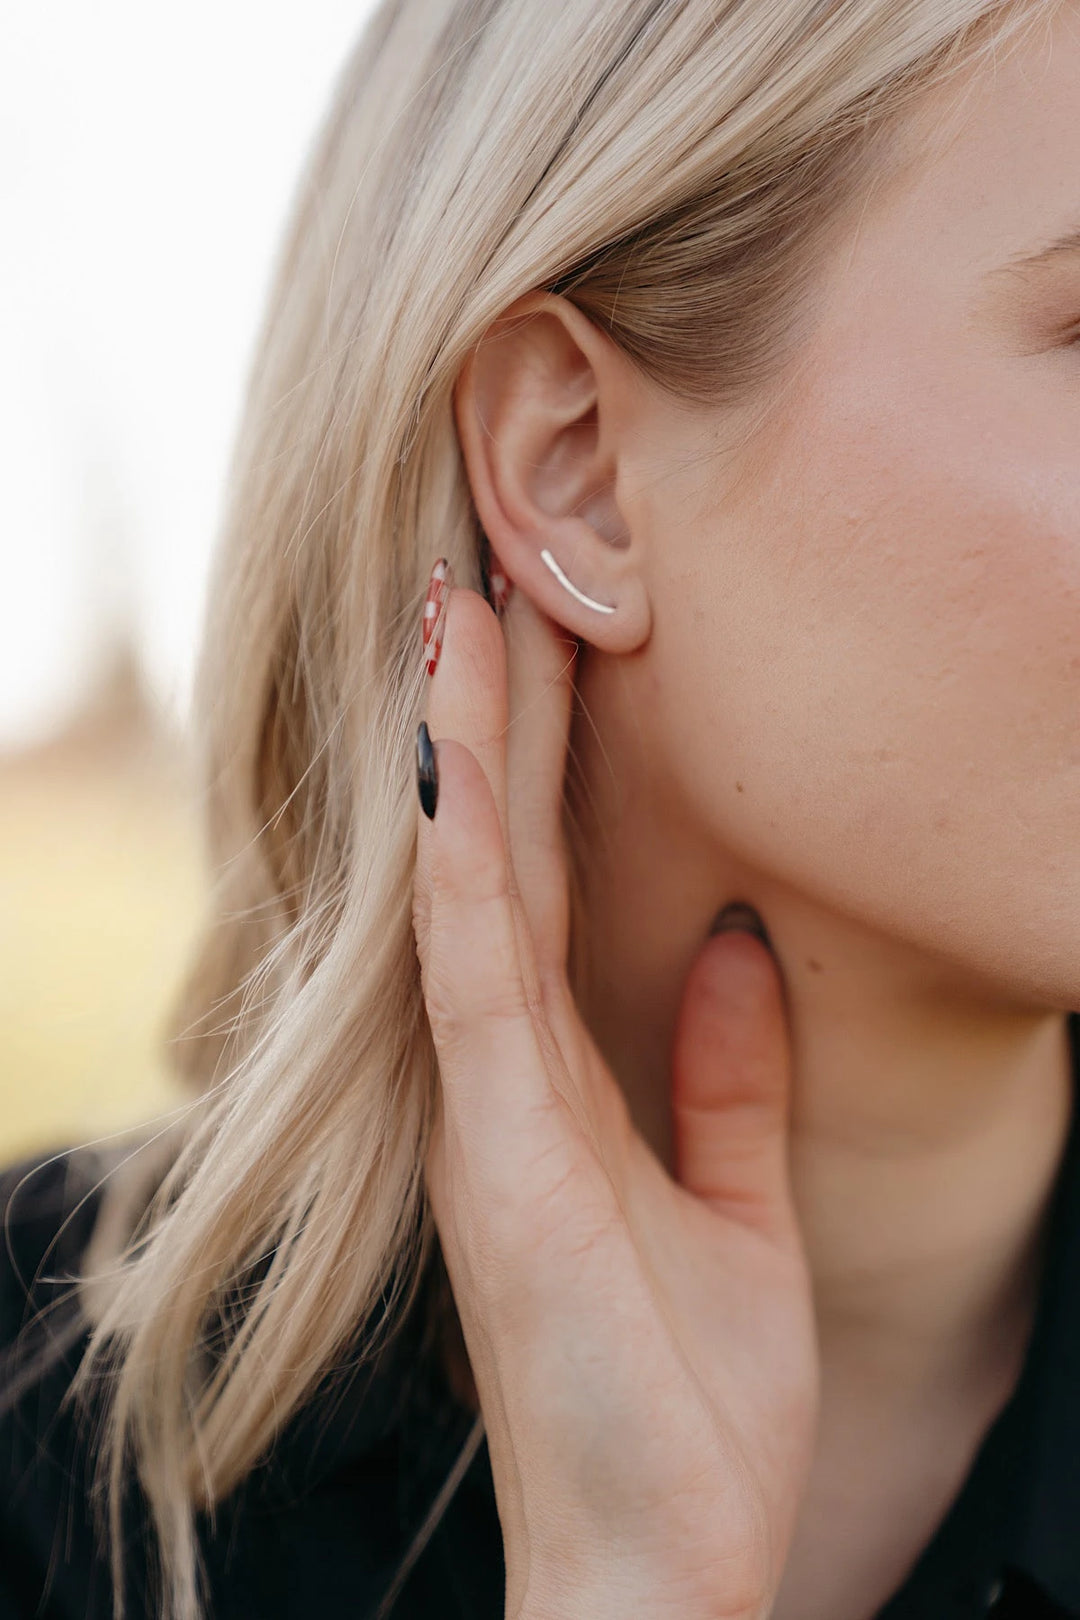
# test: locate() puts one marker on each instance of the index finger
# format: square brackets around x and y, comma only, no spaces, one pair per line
[541,660]
[495,1053]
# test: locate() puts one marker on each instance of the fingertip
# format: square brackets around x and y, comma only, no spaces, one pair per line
[731,1031]
[464,849]
[735,965]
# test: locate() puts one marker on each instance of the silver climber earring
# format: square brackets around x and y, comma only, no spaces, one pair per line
[601,607]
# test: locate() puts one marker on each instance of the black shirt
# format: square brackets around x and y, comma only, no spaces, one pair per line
[319,1529]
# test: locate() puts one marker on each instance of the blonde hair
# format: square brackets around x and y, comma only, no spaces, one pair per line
[673,167]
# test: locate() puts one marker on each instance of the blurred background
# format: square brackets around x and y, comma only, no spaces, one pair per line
[147,163]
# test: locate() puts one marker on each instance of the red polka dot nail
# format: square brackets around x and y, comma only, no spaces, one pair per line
[433,624]
[500,587]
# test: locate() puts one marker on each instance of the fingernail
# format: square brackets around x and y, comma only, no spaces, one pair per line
[427,776]
[739,915]
[497,586]
[433,623]
[500,589]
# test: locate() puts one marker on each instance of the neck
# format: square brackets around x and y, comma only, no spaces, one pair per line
[928,1118]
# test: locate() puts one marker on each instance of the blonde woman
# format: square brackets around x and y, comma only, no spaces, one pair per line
[660,458]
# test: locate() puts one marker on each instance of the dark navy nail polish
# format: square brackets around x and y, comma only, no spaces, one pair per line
[739,915]
[427,776]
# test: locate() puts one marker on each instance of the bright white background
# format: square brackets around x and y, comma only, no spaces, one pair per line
[148,155]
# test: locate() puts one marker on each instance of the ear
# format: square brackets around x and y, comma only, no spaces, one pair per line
[542,407]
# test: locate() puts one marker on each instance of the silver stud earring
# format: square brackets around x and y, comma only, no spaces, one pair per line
[601,607]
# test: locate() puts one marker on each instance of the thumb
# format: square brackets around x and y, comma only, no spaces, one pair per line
[731,1083]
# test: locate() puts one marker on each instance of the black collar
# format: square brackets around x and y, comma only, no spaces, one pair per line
[1043,1533]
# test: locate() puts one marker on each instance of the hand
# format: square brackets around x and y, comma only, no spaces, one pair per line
[643,1347]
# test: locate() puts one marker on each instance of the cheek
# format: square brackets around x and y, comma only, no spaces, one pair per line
[928,588]
[886,631]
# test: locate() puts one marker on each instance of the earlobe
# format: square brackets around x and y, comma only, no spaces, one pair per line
[541,414]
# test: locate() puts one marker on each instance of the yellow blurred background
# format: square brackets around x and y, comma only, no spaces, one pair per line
[122,389]
[100,896]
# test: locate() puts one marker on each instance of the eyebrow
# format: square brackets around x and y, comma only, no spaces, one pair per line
[1043,257]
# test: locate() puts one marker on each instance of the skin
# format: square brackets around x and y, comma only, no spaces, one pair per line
[840,683]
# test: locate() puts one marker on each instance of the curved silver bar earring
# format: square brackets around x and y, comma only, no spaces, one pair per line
[601,607]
